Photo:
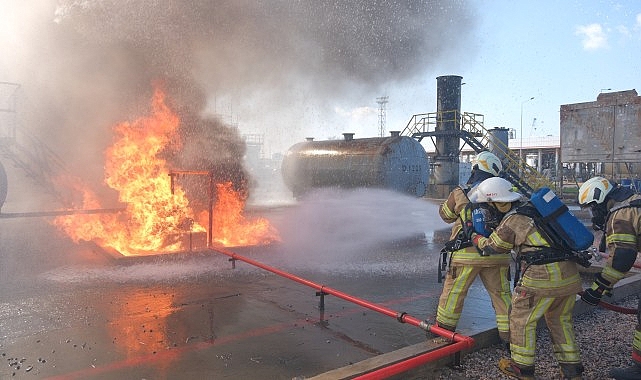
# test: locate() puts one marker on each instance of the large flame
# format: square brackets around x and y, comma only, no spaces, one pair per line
[230,227]
[155,218]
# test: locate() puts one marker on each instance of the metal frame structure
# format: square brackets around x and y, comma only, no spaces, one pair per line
[473,133]
[27,152]
[176,174]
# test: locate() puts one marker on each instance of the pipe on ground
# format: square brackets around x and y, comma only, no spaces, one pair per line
[461,342]
[416,361]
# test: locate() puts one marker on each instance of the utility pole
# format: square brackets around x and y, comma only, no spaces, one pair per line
[521,147]
[381,114]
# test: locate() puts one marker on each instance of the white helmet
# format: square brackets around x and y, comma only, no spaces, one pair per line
[594,190]
[495,189]
[489,163]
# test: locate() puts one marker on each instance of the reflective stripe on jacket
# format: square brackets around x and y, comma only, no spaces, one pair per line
[622,229]
[519,233]
[453,207]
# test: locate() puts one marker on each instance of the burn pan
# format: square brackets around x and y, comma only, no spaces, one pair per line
[195,244]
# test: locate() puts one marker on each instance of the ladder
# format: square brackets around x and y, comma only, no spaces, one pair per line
[523,176]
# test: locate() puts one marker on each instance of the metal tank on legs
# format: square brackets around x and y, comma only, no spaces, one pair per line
[498,141]
[396,162]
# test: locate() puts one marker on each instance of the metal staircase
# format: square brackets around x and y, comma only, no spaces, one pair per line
[473,133]
[25,151]
[38,163]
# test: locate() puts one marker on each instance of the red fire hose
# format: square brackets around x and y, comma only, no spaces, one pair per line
[618,309]
[460,342]
[609,306]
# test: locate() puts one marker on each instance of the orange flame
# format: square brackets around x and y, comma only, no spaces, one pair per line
[231,228]
[154,217]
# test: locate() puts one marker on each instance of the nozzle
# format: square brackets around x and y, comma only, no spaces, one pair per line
[594,254]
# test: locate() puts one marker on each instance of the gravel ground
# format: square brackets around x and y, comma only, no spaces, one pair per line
[604,337]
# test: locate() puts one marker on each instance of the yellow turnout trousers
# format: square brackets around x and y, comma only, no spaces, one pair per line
[527,309]
[458,280]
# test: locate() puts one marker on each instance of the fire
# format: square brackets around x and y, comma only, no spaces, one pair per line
[154,217]
[231,228]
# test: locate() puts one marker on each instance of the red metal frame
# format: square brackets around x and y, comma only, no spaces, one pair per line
[460,342]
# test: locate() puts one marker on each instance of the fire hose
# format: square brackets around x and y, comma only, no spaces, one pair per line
[460,342]
[582,258]
[609,306]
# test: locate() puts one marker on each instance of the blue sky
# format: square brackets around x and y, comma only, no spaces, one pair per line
[559,52]
[316,74]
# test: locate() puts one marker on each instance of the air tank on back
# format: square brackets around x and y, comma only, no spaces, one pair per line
[395,162]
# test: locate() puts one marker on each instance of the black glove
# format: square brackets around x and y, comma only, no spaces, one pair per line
[591,297]
[600,286]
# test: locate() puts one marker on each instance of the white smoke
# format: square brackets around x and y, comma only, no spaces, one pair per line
[343,228]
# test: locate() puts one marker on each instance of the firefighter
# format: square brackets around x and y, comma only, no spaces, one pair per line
[616,211]
[545,290]
[465,262]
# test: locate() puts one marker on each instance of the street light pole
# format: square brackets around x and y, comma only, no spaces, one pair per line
[521,148]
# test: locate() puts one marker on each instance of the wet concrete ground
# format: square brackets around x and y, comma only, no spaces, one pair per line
[71,311]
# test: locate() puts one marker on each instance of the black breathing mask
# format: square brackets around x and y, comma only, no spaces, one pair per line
[599,213]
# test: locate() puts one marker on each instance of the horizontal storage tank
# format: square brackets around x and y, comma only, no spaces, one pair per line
[396,162]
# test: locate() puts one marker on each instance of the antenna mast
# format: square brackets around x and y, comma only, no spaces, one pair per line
[381,114]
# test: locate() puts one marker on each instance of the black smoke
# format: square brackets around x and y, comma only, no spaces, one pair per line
[85,65]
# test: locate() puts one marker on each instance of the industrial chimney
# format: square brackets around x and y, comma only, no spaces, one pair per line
[448,123]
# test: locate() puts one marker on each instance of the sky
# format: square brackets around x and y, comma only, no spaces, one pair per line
[287,70]
[559,52]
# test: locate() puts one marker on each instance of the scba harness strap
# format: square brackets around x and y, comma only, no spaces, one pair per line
[628,204]
[551,255]
[464,236]
[558,251]
[462,241]
[480,219]
[543,224]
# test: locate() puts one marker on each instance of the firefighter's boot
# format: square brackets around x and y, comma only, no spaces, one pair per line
[505,344]
[508,367]
[630,373]
[571,371]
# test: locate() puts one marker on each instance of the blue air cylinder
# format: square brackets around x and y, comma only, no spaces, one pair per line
[570,229]
[478,221]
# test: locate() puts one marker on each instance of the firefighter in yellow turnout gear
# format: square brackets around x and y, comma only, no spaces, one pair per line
[466,263]
[616,210]
[543,291]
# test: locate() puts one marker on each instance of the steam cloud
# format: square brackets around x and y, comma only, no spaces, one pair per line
[86,65]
